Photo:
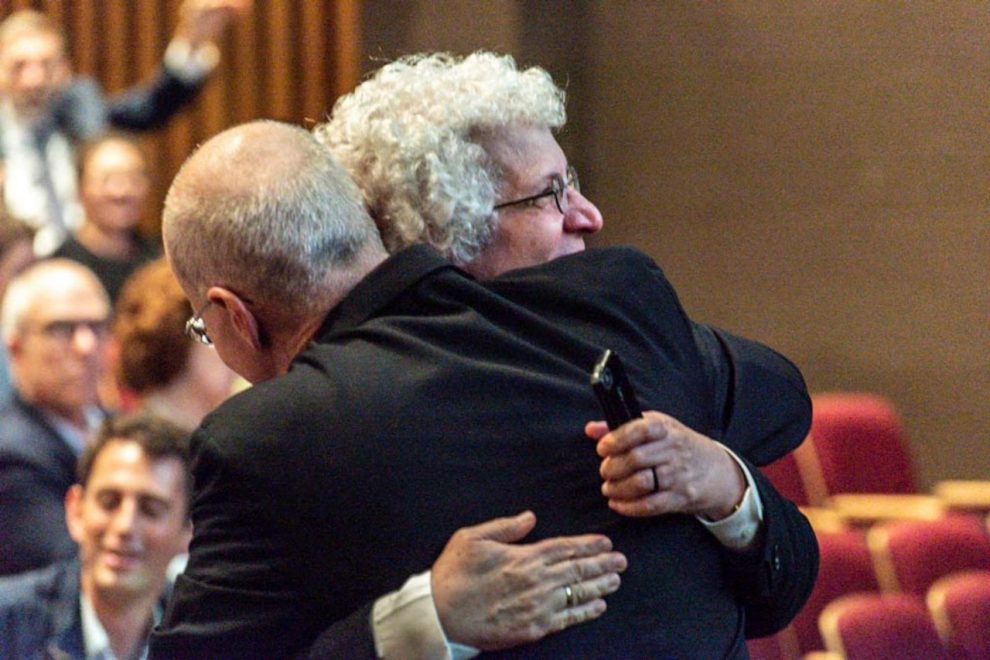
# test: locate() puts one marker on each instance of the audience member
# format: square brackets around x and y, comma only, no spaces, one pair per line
[16,254]
[417,400]
[113,189]
[129,515]
[173,378]
[54,322]
[44,110]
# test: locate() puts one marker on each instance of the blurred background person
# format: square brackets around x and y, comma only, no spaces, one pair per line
[55,325]
[45,111]
[129,515]
[16,254]
[156,364]
[113,189]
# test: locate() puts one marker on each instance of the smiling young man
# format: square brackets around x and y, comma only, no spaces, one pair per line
[129,515]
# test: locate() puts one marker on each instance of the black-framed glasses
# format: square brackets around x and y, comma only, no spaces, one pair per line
[64,331]
[558,188]
[196,327]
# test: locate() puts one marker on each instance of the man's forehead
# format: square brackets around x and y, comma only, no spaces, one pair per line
[31,44]
[68,298]
[123,465]
[528,154]
[114,156]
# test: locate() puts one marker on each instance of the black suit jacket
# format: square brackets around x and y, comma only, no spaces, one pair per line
[83,111]
[429,402]
[37,467]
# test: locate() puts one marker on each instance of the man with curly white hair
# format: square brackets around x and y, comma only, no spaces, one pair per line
[460,154]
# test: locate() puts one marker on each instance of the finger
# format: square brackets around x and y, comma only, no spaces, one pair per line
[504,530]
[640,484]
[582,570]
[566,548]
[598,587]
[632,434]
[653,505]
[595,430]
[642,457]
[572,616]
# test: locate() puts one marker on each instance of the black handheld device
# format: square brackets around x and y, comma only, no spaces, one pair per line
[614,391]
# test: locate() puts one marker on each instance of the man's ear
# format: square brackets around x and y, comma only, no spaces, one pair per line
[238,316]
[13,344]
[73,512]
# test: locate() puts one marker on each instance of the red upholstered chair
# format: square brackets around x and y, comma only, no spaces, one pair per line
[798,476]
[782,646]
[881,626]
[860,442]
[845,567]
[960,605]
[861,449]
[911,555]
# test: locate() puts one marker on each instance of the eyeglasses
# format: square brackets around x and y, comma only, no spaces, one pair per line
[65,331]
[196,327]
[558,188]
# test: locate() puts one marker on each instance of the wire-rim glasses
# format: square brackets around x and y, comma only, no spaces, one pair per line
[558,189]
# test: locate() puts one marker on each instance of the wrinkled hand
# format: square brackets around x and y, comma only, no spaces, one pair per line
[492,594]
[657,465]
[202,21]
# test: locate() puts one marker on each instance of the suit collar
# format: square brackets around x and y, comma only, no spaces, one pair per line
[383,285]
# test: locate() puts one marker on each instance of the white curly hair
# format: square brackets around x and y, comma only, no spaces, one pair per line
[408,136]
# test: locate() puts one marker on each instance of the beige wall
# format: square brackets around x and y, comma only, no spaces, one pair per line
[814,175]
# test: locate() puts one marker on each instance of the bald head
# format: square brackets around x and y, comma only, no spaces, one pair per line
[54,323]
[265,209]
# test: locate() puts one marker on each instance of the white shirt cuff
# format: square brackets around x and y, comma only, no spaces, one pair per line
[405,625]
[191,64]
[739,529]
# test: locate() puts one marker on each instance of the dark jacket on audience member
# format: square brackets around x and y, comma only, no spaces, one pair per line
[40,615]
[37,467]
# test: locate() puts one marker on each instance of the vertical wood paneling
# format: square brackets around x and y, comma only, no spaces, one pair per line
[285,60]
[314,31]
[118,49]
[346,46]
[280,72]
[85,36]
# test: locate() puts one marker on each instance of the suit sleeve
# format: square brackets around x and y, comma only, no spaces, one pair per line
[151,105]
[775,578]
[762,404]
[84,112]
[32,522]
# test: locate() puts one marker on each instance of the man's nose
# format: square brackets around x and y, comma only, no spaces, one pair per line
[125,517]
[582,215]
[85,339]
[35,76]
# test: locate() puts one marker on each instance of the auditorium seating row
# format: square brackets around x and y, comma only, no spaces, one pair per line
[903,574]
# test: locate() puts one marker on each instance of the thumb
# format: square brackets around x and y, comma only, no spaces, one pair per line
[505,530]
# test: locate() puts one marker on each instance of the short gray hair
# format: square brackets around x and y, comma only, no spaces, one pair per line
[272,219]
[408,137]
[24,290]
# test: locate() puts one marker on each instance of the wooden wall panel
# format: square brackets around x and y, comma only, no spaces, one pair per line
[287,60]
